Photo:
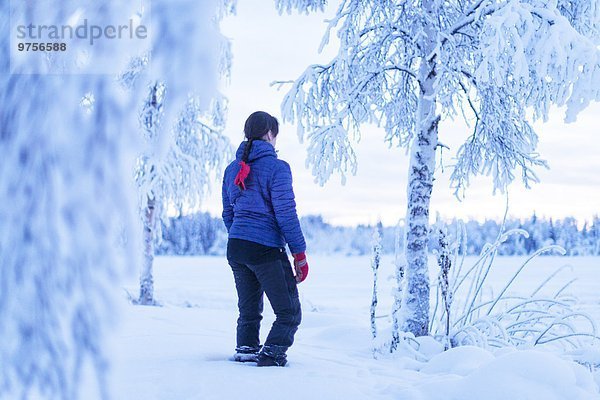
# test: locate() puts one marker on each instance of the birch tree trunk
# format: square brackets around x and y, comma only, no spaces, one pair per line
[415,301]
[146,278]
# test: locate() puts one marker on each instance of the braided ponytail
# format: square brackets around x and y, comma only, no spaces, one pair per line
[257,125]
[247,150]
[244,167]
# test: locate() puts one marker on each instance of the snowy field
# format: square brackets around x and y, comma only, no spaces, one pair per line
[180,350]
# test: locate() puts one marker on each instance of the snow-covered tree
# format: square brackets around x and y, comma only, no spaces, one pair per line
[180,176]
[68,145]
[594,236]
[406,65]
[183,151]
[565,234]
[64,173]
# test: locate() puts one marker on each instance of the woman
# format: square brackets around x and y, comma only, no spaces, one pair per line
[259,212]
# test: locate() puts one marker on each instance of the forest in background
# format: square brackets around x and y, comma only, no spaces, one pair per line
[204,234]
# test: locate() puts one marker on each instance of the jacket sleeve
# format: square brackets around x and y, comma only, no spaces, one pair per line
[284,206]
[227,214]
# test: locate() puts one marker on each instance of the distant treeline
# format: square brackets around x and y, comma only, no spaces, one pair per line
[203,234]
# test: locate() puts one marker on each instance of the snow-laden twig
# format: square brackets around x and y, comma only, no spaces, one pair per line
[400,265]
[514,277]
[375,260]
[446,296]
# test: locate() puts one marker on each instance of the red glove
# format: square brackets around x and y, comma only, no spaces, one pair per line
[301,266]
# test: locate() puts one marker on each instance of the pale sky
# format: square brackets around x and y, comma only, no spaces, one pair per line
[268,47]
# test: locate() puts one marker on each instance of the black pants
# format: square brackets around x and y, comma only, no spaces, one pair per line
[259,269]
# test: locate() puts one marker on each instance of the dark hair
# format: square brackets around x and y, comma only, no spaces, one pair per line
[258,124]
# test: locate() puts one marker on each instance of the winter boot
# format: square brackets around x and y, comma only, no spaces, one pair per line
[272,356]
[246,354]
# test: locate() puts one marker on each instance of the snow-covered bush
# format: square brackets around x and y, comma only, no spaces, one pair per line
[467,312]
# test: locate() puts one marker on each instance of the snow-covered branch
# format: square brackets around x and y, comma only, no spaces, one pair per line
[305,6]
[329,150]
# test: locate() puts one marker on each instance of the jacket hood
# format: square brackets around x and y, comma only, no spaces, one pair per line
[259,149]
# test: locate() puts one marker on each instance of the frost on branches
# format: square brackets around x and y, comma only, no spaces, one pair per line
[185,147]
[302,5]
[406,65]
[66,144]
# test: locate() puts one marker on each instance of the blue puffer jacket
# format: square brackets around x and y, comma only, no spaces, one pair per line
[265,212]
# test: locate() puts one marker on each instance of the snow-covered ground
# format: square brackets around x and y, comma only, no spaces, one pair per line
[180,350]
